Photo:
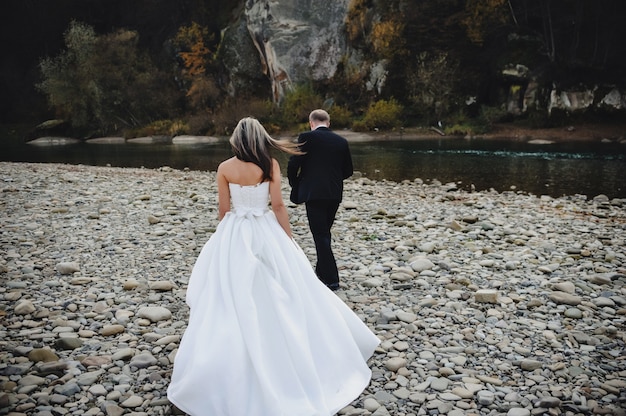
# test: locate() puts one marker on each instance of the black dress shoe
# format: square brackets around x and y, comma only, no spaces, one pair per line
[333,286]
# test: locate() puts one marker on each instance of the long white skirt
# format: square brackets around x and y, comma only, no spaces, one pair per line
[265,336]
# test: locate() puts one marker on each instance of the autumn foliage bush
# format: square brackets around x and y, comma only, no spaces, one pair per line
[169,128]
[297,105]
[383,114]
[340,116]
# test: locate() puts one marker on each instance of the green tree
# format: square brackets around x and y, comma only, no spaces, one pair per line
[432,86]
[68,79]
[135,91]
[105,83]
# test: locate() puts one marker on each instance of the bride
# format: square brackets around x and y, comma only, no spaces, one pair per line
[265,336]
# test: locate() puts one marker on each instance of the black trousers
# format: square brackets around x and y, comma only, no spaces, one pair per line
[321,215]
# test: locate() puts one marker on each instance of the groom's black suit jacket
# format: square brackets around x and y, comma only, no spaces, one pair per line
[319,173]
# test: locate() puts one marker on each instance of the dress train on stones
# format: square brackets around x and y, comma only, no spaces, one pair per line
[265,337]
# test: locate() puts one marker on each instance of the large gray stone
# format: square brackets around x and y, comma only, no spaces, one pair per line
[295,41]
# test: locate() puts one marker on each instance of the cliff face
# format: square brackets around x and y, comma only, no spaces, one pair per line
[289,42]
[354,51]
[294,40]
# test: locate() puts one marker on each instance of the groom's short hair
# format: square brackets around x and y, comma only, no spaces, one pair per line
[319,115]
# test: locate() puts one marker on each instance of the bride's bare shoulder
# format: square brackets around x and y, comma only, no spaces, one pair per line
[226,164]
[229,161]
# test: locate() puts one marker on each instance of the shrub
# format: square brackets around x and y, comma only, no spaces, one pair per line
[298,104]
[359,126]
[200,123]
[459,123]
[460,130]
[156,128]
[387,38]
[491,115]
[340,116]
[203,92]
[358,21]
[226,117]
[178,127]
[383,114]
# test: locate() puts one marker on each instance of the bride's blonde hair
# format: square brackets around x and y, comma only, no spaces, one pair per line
[251,143]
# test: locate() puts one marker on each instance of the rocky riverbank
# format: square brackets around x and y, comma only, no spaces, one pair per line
[486,303]
[581,132]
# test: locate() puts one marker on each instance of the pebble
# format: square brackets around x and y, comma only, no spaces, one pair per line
[486,303]
[154,313]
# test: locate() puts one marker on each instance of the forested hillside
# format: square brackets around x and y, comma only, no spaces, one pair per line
[195,66]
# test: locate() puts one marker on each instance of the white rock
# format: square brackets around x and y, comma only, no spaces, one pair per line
[163,286]
[24,307]
[406,316]
[370,404]
[67,267]
[486,296]
[421,264]
[393,364]
[154,313]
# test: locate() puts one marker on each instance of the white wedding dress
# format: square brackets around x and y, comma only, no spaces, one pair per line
[265,337]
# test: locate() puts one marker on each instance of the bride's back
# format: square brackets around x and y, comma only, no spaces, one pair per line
[241,173]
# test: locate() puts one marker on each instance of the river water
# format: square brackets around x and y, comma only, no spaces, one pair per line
[541,169]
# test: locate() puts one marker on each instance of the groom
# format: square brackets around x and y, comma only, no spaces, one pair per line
[316,178]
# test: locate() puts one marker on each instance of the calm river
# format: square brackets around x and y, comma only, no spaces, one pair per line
[550,169]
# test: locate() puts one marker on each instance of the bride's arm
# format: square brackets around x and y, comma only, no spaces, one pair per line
[276,199]
[223,193]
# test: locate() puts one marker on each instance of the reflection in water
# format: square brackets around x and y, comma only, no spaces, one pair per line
[572,168]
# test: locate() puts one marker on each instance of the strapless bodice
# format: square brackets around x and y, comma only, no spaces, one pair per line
[251,199]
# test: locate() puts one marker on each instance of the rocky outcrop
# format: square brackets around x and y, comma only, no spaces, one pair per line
[294,41]
[524,92]
[241,61]
[586,99]
[273,45]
